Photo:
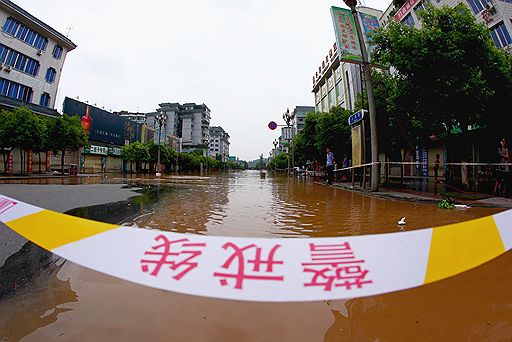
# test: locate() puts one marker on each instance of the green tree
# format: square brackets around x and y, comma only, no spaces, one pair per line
[28,132]
[448,74]
[139,154]
[66,133]
[169,156]
[44,142]
[323,130]
[7,125]
[304,142]
[128,155]
[279,162]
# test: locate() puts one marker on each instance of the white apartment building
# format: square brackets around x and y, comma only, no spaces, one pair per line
[32,55]
[299,115]
[338,83]
[190,122]
[495,14]
[219,143]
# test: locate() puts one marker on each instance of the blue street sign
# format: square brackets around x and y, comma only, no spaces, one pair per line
[272,125]
[356,117]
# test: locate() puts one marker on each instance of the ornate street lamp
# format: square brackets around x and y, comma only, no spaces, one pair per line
[160,119]
[289,118]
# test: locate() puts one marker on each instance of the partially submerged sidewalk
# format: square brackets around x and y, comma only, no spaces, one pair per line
[426,197]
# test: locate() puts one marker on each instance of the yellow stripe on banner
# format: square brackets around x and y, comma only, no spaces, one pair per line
[459,247]
[50,229]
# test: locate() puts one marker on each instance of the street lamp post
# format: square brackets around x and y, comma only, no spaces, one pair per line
[371,100]
[275,142]
[160,119]
[289,119]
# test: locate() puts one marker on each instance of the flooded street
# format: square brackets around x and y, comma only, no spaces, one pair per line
[68,302]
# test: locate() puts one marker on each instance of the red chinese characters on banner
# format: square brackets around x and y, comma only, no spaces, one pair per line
[10,162]
[6,204]
[29,161]
[334,265]
[177,255]
[247,263]
[347,31]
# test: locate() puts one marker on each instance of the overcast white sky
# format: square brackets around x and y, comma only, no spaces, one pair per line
[247,60]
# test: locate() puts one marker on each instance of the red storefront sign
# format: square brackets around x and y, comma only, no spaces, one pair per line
[29,161]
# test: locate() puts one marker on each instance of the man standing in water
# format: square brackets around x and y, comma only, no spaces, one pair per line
[329,166]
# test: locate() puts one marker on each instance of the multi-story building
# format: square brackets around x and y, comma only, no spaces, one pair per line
[137,117]
[108,133]
[190,122]
[299,114]
[219,143]
[496,14]
[338,83]
[32,56]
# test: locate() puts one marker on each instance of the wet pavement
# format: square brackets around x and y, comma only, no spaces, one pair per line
[56,197]
[68,302]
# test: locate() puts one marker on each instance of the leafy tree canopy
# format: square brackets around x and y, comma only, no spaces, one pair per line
[448,74]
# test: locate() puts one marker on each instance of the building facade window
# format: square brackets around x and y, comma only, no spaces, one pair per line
[477,6]
[50,75]
[332,98]
[500,35]
[23,33]
[408,20]
[57,52]
[325,107]
[419,7]
[15,90]
[18,61]
[317,96]
[45,100]
[339,90]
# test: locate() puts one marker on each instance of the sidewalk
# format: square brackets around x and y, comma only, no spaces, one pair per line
[46,176]
[425,197]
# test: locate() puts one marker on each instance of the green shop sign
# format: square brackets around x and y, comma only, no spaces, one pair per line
[102,150]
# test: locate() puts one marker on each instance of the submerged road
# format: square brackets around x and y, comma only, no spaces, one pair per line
[72,303]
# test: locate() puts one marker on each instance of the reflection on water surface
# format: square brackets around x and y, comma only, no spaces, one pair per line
[79,304]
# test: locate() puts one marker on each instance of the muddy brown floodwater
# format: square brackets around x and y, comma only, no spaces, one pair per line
[69,303]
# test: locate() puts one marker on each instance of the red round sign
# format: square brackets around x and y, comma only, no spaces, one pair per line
[272,125]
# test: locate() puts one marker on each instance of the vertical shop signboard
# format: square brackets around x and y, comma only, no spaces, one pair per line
[349,49]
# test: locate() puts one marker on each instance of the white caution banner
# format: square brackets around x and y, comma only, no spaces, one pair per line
[270,270]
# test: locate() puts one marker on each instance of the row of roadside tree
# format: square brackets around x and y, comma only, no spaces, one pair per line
[31,133]
[143,157]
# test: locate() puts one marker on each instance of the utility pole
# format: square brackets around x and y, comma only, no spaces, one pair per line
[371,99]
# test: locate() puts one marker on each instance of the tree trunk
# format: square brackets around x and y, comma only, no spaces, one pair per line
[21,160]
[131,166]
[39,155]
[62,161]
[5,162]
